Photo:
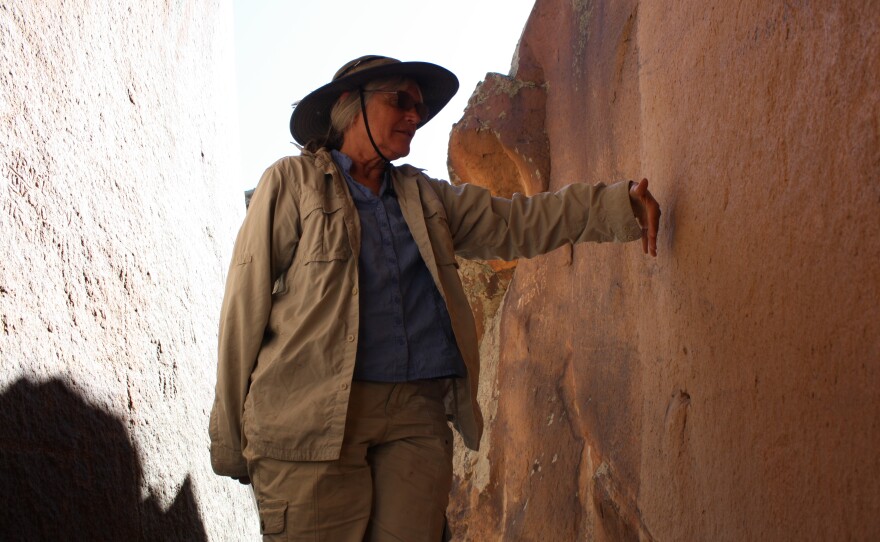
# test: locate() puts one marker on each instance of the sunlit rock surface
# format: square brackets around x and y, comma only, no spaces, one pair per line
[117,214]
[729,389]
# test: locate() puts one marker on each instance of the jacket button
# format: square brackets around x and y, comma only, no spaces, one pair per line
[350,338]
[343,387]
[354,291]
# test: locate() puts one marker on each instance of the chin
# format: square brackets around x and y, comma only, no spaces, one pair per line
[399,153]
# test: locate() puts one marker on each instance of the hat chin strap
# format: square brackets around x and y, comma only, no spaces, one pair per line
[367,126]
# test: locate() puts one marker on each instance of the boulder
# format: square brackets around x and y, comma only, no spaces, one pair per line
[727,390]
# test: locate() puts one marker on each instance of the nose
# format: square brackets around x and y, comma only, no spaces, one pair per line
[412,116]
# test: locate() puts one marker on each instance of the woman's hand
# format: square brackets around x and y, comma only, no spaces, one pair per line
[647,212]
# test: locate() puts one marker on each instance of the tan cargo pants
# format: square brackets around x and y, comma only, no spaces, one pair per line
[390,483]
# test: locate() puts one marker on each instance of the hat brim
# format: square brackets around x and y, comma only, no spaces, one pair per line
[311,116]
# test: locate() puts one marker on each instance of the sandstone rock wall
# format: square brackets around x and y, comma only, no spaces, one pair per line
[117,214]
[729,389]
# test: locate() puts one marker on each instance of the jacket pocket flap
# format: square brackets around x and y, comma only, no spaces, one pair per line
[434,209]
[272,515]
[313,201]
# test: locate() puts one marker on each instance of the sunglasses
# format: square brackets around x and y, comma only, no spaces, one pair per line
[404,101]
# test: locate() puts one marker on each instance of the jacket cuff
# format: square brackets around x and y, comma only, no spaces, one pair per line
[619,213]
[226,462]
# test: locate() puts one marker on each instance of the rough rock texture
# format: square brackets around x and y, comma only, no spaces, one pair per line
[729,389]
[117,214]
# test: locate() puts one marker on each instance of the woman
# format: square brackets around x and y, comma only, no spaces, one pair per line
[346,341]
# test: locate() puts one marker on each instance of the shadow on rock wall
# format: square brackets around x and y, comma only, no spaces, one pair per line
[70,472]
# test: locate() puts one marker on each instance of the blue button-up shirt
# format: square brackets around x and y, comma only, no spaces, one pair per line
[405,331]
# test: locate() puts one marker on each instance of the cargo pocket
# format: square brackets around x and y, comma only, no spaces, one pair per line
[272,516]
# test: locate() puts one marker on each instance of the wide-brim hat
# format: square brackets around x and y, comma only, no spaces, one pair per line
[311,115]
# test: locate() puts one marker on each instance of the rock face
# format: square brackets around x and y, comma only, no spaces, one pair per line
[117,214]
[729,389]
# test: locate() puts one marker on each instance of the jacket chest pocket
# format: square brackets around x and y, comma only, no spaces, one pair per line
[438,231]
[324,235]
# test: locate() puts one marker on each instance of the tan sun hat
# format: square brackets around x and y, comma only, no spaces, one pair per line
[311,115]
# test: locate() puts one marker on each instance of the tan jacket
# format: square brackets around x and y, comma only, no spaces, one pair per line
[289,320]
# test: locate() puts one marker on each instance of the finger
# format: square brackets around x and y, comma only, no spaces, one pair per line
[641,189]
[653,211]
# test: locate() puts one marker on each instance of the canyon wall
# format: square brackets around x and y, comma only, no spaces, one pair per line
[118,204]
[729,389]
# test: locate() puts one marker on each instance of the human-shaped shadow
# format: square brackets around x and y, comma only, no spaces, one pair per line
[68,471]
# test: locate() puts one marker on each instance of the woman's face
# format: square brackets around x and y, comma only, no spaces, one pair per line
[392,127]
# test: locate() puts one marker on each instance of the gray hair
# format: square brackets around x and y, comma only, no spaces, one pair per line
[346,109]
